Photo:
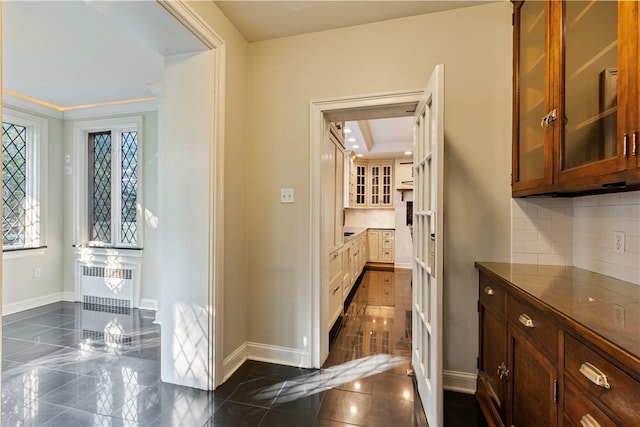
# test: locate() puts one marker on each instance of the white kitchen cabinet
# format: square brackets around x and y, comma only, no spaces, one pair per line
[333,188]
[380,179]
[336,276]
[372,184]
[403,174]
[381,244]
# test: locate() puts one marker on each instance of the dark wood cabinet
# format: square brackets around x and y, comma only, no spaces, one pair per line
[545,358]
[576,119]
[493,348]
[532,383]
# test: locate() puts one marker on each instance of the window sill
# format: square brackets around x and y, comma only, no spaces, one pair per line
[23,252]
[108,251]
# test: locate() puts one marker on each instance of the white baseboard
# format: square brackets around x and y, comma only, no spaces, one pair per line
[402,266]
[232,362]
[27,304]
[69,296]
[280,355]
[462,382]
[148,304]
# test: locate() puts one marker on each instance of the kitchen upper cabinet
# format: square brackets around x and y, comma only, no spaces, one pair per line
[576,101]
[372,184]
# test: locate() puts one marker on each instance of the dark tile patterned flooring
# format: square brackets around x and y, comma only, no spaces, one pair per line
[66,366]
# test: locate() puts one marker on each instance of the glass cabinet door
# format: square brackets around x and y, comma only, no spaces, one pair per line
[530,90]
[590,75]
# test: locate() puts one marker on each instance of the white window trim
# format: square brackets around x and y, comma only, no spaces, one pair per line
[81,131]
[37,172]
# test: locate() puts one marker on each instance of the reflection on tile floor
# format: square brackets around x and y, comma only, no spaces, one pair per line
[65,366]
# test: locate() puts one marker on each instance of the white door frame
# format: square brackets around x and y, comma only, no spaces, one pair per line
[319,255]
[185,14]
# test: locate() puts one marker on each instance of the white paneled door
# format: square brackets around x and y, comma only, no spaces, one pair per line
[428,245]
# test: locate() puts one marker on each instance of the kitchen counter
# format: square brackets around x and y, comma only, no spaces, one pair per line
[355,230]
[606,306]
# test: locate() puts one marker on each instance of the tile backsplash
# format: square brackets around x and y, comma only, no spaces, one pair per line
[580,232]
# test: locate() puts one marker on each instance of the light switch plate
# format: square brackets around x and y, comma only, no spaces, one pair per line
[286,195]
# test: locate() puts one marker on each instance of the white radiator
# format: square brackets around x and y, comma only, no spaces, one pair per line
[107,286]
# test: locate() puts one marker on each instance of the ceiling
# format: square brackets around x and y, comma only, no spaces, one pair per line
[262,20]
[72,53]
[76,53]
[391,137]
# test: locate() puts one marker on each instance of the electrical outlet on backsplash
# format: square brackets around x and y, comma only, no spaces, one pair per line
[579,232]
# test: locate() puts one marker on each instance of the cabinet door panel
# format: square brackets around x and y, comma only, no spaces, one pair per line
[531,153]
[533,385]
[590,82]
[493,352]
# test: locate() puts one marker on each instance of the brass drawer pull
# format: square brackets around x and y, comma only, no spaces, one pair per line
[335,289]
[526,321]
[588,421]
[594,375]
[489,291]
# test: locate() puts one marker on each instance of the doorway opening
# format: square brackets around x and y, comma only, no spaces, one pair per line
[400,104]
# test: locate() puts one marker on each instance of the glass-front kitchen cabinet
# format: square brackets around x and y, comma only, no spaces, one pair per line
[575,126]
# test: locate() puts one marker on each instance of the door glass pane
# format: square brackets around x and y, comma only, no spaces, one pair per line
[531,99]
[591,74]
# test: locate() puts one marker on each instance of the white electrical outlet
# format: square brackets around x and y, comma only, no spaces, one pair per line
[618,242]
[37,272]
[286,195]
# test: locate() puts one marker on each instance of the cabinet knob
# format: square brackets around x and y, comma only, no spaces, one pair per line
[588,421]
[503,372]
[526,320]
[489,290]
[594,375]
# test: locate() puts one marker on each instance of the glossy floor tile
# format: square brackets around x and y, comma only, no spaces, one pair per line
[66,366]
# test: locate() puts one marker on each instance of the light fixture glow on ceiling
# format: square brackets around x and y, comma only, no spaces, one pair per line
[352,139]
[359,155]
[355,146]
[408,153]
[347,130]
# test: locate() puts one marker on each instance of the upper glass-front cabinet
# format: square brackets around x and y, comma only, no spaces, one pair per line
[531,74]
[575,96]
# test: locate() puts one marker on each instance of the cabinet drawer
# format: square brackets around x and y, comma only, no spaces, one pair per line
[387,234]
[621,396]
[386,255]
[387,243]
[491,294]
[535,325]
[578,408]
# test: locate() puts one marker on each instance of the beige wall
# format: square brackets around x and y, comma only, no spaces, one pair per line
[235,176]
[285,74]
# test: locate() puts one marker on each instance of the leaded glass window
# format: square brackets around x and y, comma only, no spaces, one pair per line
[24,144]
[14,184]
[113,187]
[100,186]
[129,185]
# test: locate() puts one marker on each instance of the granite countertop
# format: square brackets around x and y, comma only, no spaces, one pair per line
[609,307]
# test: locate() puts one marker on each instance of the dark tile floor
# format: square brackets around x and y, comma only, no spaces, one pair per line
[67,366]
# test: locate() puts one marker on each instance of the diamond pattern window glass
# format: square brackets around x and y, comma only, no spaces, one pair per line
[129,185]
[113,201]
[14,184]
[100,186]
[24,144]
